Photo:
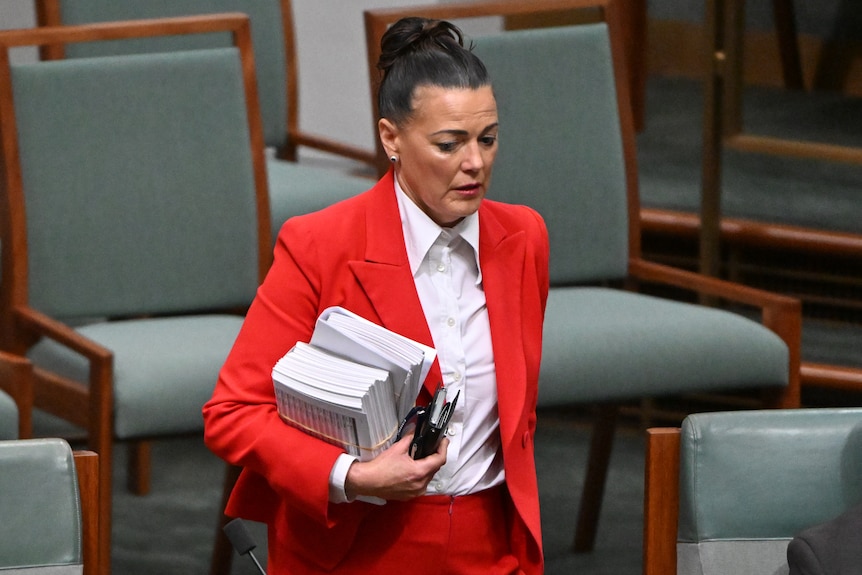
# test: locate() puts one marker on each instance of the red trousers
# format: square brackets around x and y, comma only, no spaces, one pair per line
[430,535]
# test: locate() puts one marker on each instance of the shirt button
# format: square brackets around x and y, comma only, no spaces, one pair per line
[450,322]
[456,376]
[441,267]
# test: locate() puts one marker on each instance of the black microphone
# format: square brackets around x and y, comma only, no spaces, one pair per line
[241,540]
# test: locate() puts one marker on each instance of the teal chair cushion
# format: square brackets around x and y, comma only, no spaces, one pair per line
[296,189]
[165,369]
[267,38]
[8,417]
[751,480]
[606,344]
[146,210]
[560,144]
[40,531]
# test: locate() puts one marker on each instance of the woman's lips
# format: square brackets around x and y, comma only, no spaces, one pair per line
[475,186]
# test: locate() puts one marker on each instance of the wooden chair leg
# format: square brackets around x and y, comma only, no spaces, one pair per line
[139,471]
[223,552]
[788,46]
[594,484]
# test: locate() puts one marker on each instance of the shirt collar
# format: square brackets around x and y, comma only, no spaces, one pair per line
[420,231]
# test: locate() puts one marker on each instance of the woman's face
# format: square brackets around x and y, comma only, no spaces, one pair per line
[445,150]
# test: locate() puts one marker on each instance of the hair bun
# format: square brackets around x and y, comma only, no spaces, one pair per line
[414,34]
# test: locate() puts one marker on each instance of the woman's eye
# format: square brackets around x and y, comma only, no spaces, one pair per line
[447,146]
[488,140]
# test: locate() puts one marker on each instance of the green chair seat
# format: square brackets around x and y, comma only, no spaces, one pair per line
[296,189]
[605,344]
[164,369]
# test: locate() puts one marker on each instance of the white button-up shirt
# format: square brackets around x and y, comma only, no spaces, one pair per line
[445,267]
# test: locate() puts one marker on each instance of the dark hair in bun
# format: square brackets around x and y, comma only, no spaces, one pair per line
[421,52]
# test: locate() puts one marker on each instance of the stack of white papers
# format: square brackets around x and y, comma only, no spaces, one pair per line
[352,384]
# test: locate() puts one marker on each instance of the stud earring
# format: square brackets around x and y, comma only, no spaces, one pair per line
[393,158]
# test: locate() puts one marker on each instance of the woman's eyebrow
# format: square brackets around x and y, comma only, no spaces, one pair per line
[455,132]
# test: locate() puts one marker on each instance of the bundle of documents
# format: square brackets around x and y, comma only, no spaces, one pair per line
[352,384]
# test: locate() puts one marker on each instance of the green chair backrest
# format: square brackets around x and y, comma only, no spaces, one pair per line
[267,38]
[751,480]
[138,183]
[40,507]
[561,145]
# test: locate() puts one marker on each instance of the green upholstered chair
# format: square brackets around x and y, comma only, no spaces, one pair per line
[47,502]
[567,148]
[294,188]
[727,492]
[135,228]
[16,397]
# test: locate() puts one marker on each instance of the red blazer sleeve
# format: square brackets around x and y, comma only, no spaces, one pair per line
[241,421]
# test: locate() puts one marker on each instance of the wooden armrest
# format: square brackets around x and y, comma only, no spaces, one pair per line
[368,157]
[779,313]
[42,325]
[72,400]
[710,286]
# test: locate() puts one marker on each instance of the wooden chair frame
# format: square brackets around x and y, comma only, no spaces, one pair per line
[91,407]
[48,13]
[779,313]
[87,469]
[661,501]
[632,18]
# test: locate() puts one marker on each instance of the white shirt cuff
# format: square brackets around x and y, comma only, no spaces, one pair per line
[338,478]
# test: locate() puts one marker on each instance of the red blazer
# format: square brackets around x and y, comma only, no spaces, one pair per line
[353,254]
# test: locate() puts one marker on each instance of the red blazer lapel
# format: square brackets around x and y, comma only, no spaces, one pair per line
[385,278]
[385,275]
[501,256]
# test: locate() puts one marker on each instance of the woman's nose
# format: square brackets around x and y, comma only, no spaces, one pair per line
[473,159]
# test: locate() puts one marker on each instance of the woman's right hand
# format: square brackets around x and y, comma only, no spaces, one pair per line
[394,474]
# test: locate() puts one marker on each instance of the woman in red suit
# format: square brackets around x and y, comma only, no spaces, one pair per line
[424,254]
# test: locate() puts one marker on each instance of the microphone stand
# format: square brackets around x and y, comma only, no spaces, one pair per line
[241,540]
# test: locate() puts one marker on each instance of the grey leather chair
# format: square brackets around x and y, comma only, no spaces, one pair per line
[727,492]
[294,188]
[48,505]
